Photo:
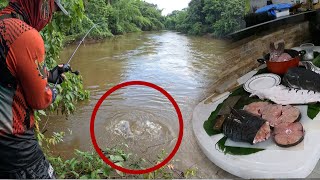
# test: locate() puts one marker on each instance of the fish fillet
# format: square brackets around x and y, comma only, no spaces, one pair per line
[286,96]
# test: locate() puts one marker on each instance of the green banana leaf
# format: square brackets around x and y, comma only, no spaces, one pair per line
[313,110]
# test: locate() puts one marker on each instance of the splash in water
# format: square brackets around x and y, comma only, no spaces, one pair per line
[123,129]
[137,129]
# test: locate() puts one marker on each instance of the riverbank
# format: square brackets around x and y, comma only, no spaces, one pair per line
[75,39]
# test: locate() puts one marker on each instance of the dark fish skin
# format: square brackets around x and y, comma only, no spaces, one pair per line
[290,145]
[301,78]
[242,126]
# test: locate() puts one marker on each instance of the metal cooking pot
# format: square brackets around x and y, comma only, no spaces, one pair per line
[281,68]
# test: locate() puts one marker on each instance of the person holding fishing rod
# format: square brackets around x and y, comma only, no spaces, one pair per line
[24,86]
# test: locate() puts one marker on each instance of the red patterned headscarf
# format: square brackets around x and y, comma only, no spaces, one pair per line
[37,13]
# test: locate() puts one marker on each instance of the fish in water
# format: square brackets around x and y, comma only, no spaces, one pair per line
[242,126]
[123,129]
[303,79]
[287,96]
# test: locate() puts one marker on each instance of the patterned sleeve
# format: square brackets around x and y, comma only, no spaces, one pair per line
[30,69]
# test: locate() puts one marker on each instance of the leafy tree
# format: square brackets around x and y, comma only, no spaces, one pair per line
[176,21]
[101,18]
[217,17]
[223,17]
[152,15]
[196,17]
[117,17]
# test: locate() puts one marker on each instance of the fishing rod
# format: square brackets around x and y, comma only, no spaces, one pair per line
[66,67]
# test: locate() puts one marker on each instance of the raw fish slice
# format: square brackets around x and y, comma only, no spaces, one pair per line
[285,126]
[289,114]
[271,113]
[256,107]
[288,134]
[284,140]
[263,134]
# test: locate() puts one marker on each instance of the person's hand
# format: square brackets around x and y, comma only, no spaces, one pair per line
[56,74]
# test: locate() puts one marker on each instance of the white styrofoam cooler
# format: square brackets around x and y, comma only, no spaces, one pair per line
[282,13]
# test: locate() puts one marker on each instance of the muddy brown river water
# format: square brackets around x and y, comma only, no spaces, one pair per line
[139,119]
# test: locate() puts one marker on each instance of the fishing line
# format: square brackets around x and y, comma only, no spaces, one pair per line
[66,67]
[81,43]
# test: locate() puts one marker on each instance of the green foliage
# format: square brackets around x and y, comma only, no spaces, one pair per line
[197,28]
[247,6]
[316,61]
[195,12]
[152,18]
[113,17]
[313,110]
[223,16]
[217,17]
[88,165]
[71,90]
[3,4]
[101,18]
[176,21]
[117,17]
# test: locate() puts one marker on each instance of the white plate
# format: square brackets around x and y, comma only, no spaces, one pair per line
[262,81]
[267,164]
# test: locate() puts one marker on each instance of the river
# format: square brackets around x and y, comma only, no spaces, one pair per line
[139,119]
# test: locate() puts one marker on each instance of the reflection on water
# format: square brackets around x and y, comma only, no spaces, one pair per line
[138,116]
